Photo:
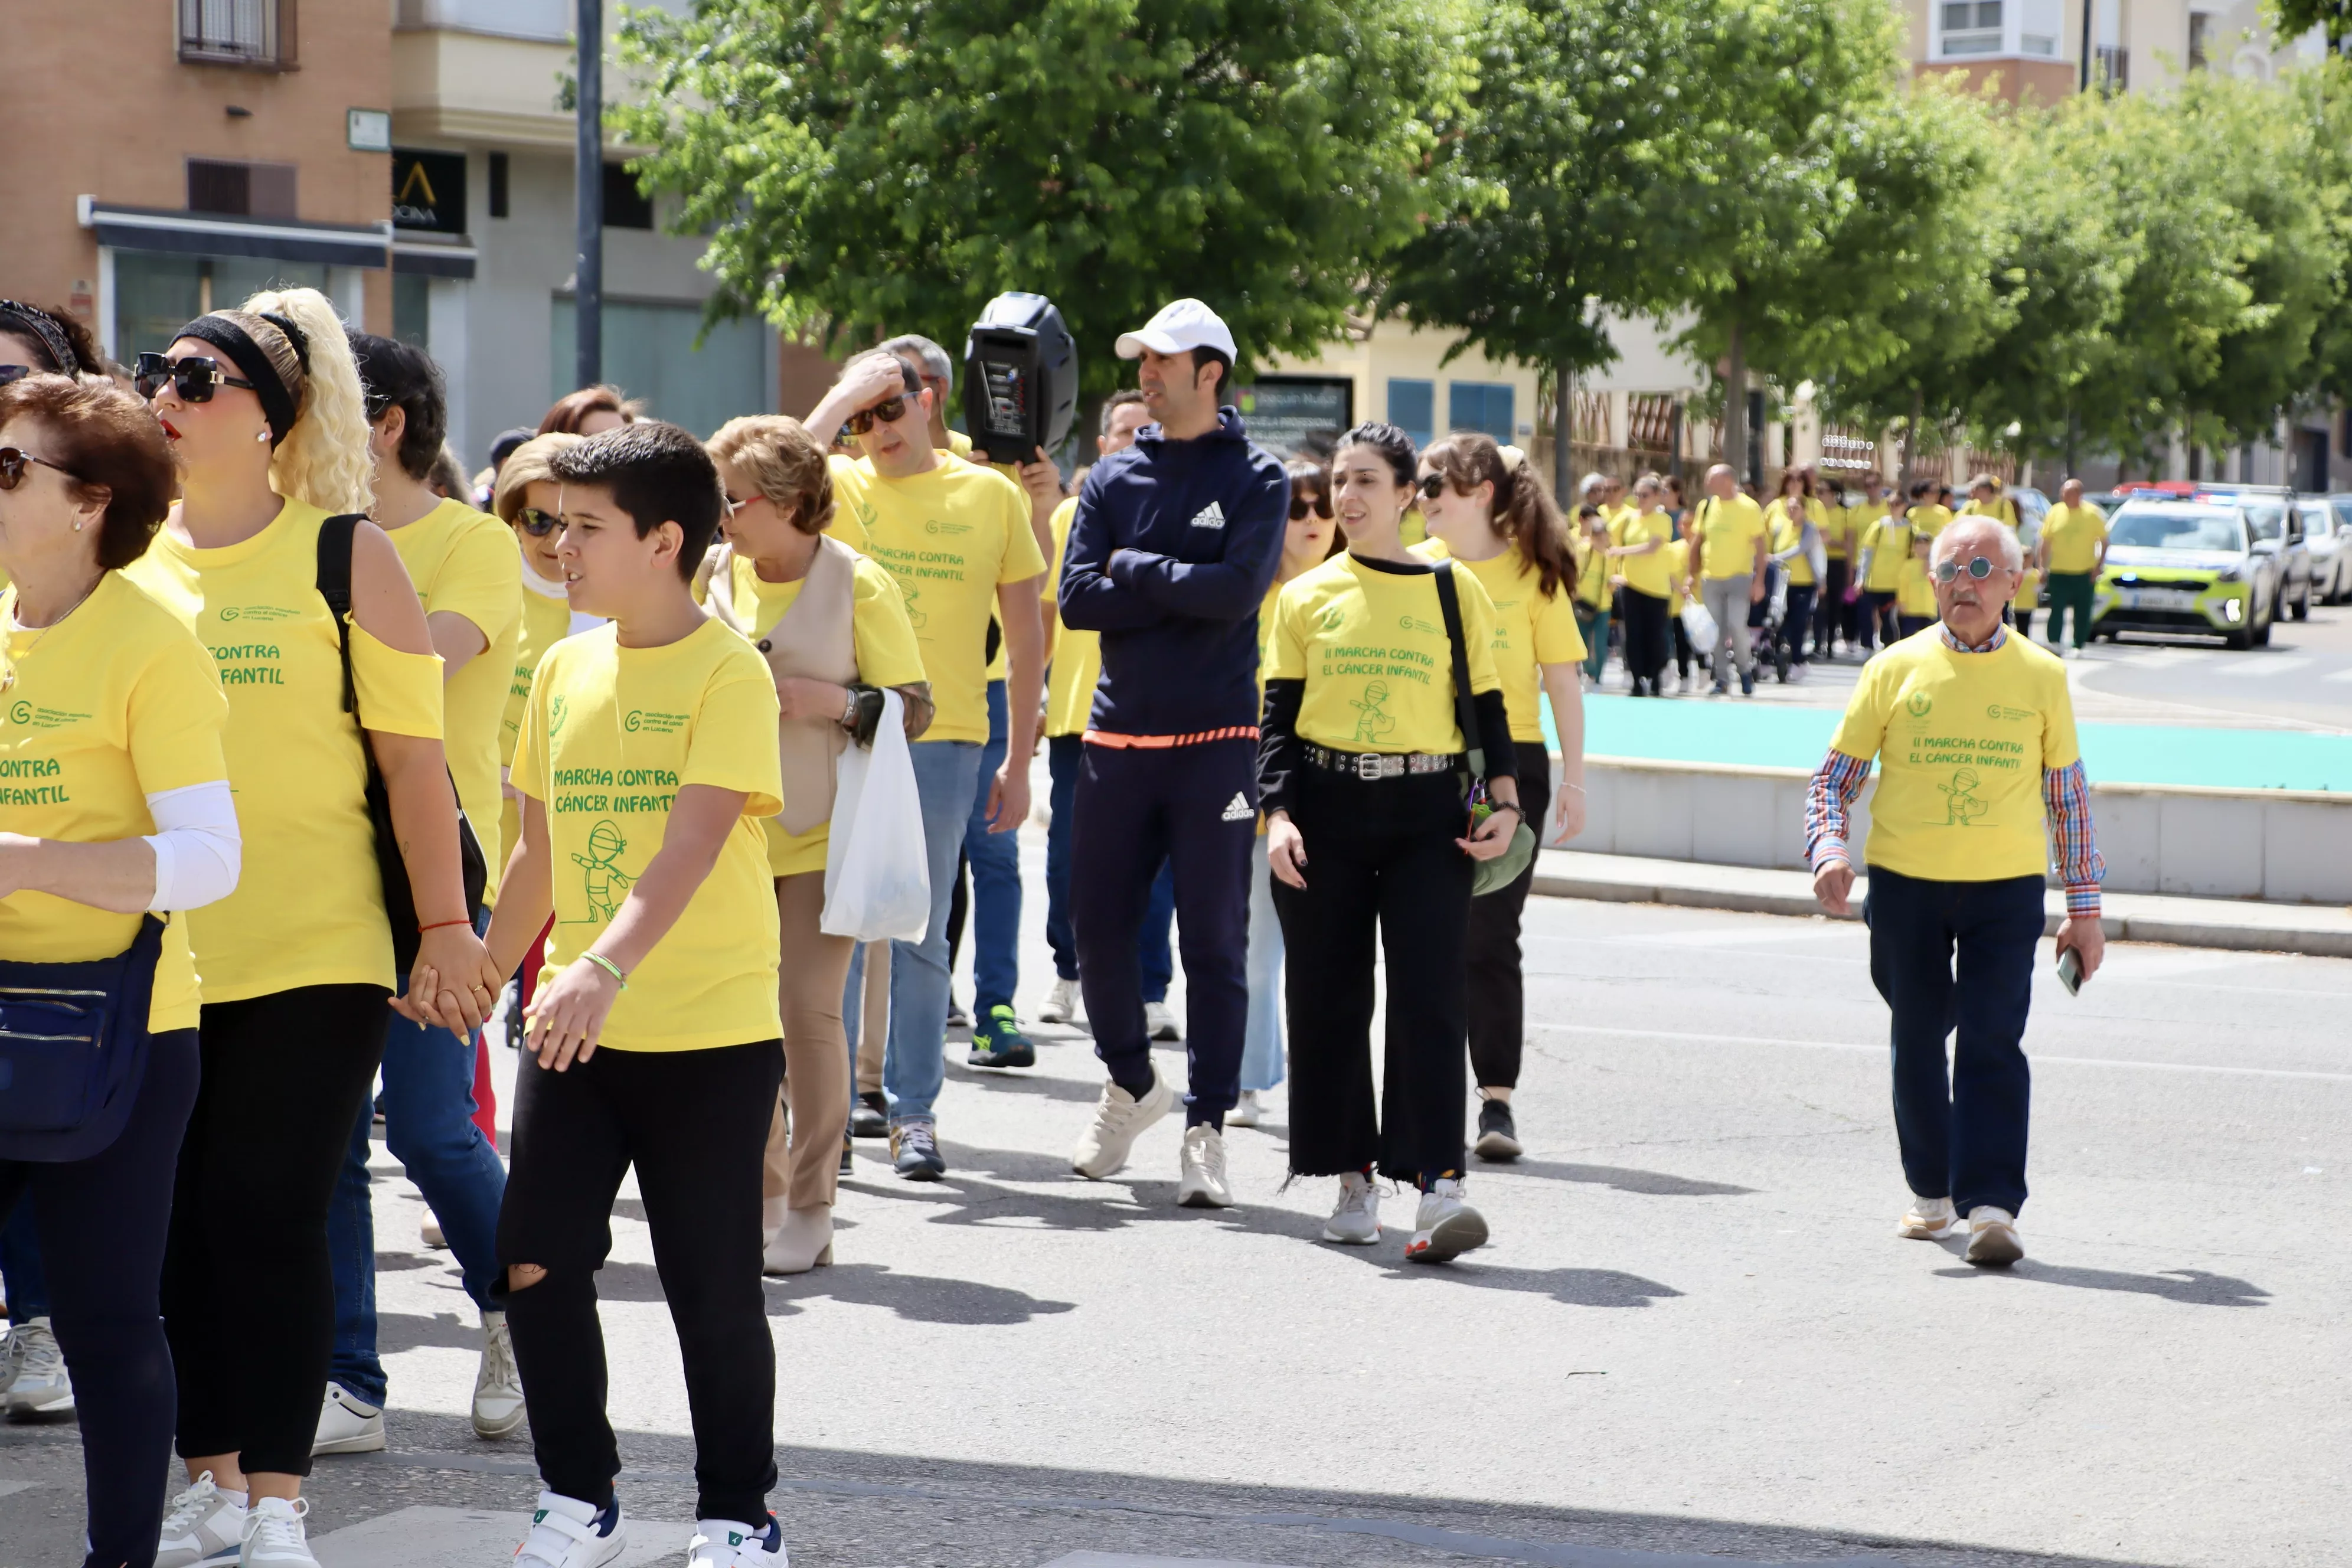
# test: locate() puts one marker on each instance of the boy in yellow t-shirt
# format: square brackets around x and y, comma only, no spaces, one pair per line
[647,760]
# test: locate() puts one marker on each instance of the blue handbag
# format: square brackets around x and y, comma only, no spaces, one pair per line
[73,1049]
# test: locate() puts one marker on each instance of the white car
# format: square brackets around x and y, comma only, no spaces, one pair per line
[2327,528]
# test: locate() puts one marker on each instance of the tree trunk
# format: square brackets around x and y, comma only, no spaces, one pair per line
[2073,442]
[1911,440]
[1563,428]
[1735,403]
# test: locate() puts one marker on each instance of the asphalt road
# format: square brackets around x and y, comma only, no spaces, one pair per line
[1694,1338]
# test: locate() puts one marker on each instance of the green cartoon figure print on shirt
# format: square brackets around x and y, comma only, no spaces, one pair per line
[1374,720]
[605,883]
[1961,806]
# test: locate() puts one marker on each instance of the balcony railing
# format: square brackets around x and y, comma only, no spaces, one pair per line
[238,32]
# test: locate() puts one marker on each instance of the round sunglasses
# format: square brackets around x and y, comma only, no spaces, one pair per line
[1979,568]
[194,378]
[1300,506]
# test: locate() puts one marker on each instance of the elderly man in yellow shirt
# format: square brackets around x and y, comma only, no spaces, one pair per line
[2072,552]
[1981,779]
[1731,543]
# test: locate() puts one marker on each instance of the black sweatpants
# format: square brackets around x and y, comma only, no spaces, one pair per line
[695,1125]
[103,1223]
[1196,808]
[1382,863]
[1497,994]
[1646,636]
[1832,617]
[249,1294]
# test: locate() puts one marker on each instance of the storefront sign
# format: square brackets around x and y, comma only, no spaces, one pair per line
[429,191]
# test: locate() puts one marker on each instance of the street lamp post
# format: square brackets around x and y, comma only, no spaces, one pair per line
[588,198]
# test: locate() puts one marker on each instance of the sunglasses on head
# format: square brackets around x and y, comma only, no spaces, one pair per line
[1978,569]
[194,378]
[890,411]
[12,462]
[537,524]
[1430,485]
[1300,506]
[9,372]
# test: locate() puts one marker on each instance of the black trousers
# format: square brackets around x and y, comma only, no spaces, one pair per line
[1646,636]
[1834,617]
[102,1224]
[1879,619]
[1381,866]
[694,1125]
[1196,809]
[1497,994]
[249,1294]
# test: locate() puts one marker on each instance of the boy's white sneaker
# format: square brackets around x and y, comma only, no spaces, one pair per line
[204,1528]
[497,1383]
[1356,1220]
[568,1533]
[275,1535]
[724,1544]
[1060,1003]
[1446,1227]
[1119,1120]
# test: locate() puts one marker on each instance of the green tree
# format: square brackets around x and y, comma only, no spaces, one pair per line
[2293,18]
[871,166]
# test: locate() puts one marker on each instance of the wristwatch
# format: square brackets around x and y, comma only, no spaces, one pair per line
[849,710]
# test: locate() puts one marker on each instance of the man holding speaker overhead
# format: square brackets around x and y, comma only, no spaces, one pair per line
[1175,542]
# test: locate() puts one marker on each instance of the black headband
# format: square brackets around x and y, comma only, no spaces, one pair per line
[277,404]
[44,326]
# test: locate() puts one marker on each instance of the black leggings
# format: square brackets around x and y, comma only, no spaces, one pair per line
[1381,866]
[694,1125]
[1646,636]
[249,1295]
[103,1223]
[1497,1000]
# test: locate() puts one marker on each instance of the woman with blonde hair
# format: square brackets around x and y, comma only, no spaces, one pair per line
[835,631]
[268,428]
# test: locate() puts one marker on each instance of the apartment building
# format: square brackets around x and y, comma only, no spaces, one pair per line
[2049,48]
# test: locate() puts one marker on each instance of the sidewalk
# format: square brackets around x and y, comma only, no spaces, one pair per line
[2323,930]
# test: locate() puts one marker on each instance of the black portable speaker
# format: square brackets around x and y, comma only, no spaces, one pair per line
[1020,379]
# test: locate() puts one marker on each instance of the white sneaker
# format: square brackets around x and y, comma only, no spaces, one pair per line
[1202,1185]
[1060,1003]
[1928,1219]
[1992,1237]
[1246,1110]
[275,1535]
[204,1528]
[1159,1022]
[723,1544]
[1119,1120]
[1446,1227]
[347,1425]
[39,1388]
[497,1381]
[1356,1221]
[428,1231]
[568,1533]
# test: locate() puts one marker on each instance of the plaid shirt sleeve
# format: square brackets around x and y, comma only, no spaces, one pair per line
[2067,792]
[1835,783]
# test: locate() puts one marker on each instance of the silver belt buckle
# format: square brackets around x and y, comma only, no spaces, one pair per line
[1369,767]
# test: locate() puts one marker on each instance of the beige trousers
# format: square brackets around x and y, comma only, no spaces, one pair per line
[803,1166]
[874,1029]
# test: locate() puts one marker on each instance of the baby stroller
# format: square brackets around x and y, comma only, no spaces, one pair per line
[1767,623]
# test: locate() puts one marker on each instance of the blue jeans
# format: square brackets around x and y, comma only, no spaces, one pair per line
[20,1268]
[914,1063]
[1062,755]
[1262,1030]
[995,880]
[428,1125]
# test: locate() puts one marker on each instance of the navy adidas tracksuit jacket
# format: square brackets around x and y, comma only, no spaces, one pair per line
[1171,554]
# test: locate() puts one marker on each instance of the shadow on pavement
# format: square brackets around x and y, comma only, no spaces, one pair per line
[2190,1287]
[417,1330]
[1648,1183]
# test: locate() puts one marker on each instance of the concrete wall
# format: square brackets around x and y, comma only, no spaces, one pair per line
[2284,846]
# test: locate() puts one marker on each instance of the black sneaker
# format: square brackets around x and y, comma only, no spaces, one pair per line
[1747,683]
[998,1042]
[870,1117]
[1498,1135]
[915,1151]
[847,1169]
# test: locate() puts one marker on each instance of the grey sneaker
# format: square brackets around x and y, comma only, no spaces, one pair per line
[204,1528]
[1119,1120]
[1356,1220]
[1446,1227]
[915,1151]
[38,1387]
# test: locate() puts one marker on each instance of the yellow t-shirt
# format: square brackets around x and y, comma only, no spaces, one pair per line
[1370,646]
[1531,629]
[950,536]
[308,905]
[1858,521]
[2073,534]
[1730,529]
[1786,533]
[547,618]
[1677,556]
[1077,654]
[1887,543]
[1914,590]
[885,646]
[465,563]
[1928,520]
[609,737]
[2003,508]
[114,703]
[1650,573]
[1592,589]
[1837,532]
[1961,739]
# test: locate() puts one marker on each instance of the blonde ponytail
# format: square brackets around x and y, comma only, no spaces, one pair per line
[324,459]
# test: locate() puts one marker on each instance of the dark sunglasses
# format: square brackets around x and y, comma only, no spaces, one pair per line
[9,372]
[12,461]
[1430,485]
[537,524]
[1300,506]
[194,378]
[890,410]
[1978,569]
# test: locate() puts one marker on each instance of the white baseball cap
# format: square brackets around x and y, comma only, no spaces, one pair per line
[1179,325]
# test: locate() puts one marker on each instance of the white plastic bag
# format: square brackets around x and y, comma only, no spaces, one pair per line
[877,883]
[1699,626]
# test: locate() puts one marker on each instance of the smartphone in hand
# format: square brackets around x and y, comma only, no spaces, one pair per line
[2070,972]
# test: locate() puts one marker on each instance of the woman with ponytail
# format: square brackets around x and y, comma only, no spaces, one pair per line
[268,430]
[1486,512]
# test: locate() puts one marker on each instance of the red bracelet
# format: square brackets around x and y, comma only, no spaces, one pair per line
[436,925]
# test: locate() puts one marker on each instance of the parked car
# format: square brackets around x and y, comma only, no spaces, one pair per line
[2327,528]
[2187,567]
[2278,530]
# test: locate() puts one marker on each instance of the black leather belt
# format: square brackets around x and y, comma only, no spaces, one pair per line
[1373,765]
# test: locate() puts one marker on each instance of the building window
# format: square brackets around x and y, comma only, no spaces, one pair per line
[2114,72]
[411,310]
[2039,25]
[241,190]
[498,184]
[1969,27]
[2201,33]
[155,293]
[625,206]
[1480,405]
[649,352]
[1412,408]
[238,32]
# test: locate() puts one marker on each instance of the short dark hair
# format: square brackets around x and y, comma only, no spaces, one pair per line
[107,441]
[1223,361]
[1922,487]
[658,473]
[1114,403]
[401,375]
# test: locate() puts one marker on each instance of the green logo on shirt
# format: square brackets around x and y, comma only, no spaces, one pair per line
[256,613]
[1414,623]
[653,723]
[1375,721]
[1998,711]
[1332,618]
[1961,806]
[555,717]
[1919,702]
[936,526]
[605,883]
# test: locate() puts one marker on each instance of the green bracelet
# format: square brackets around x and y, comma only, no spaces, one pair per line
[608,966]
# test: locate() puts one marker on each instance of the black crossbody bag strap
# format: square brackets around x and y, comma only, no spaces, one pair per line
[1449,606]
